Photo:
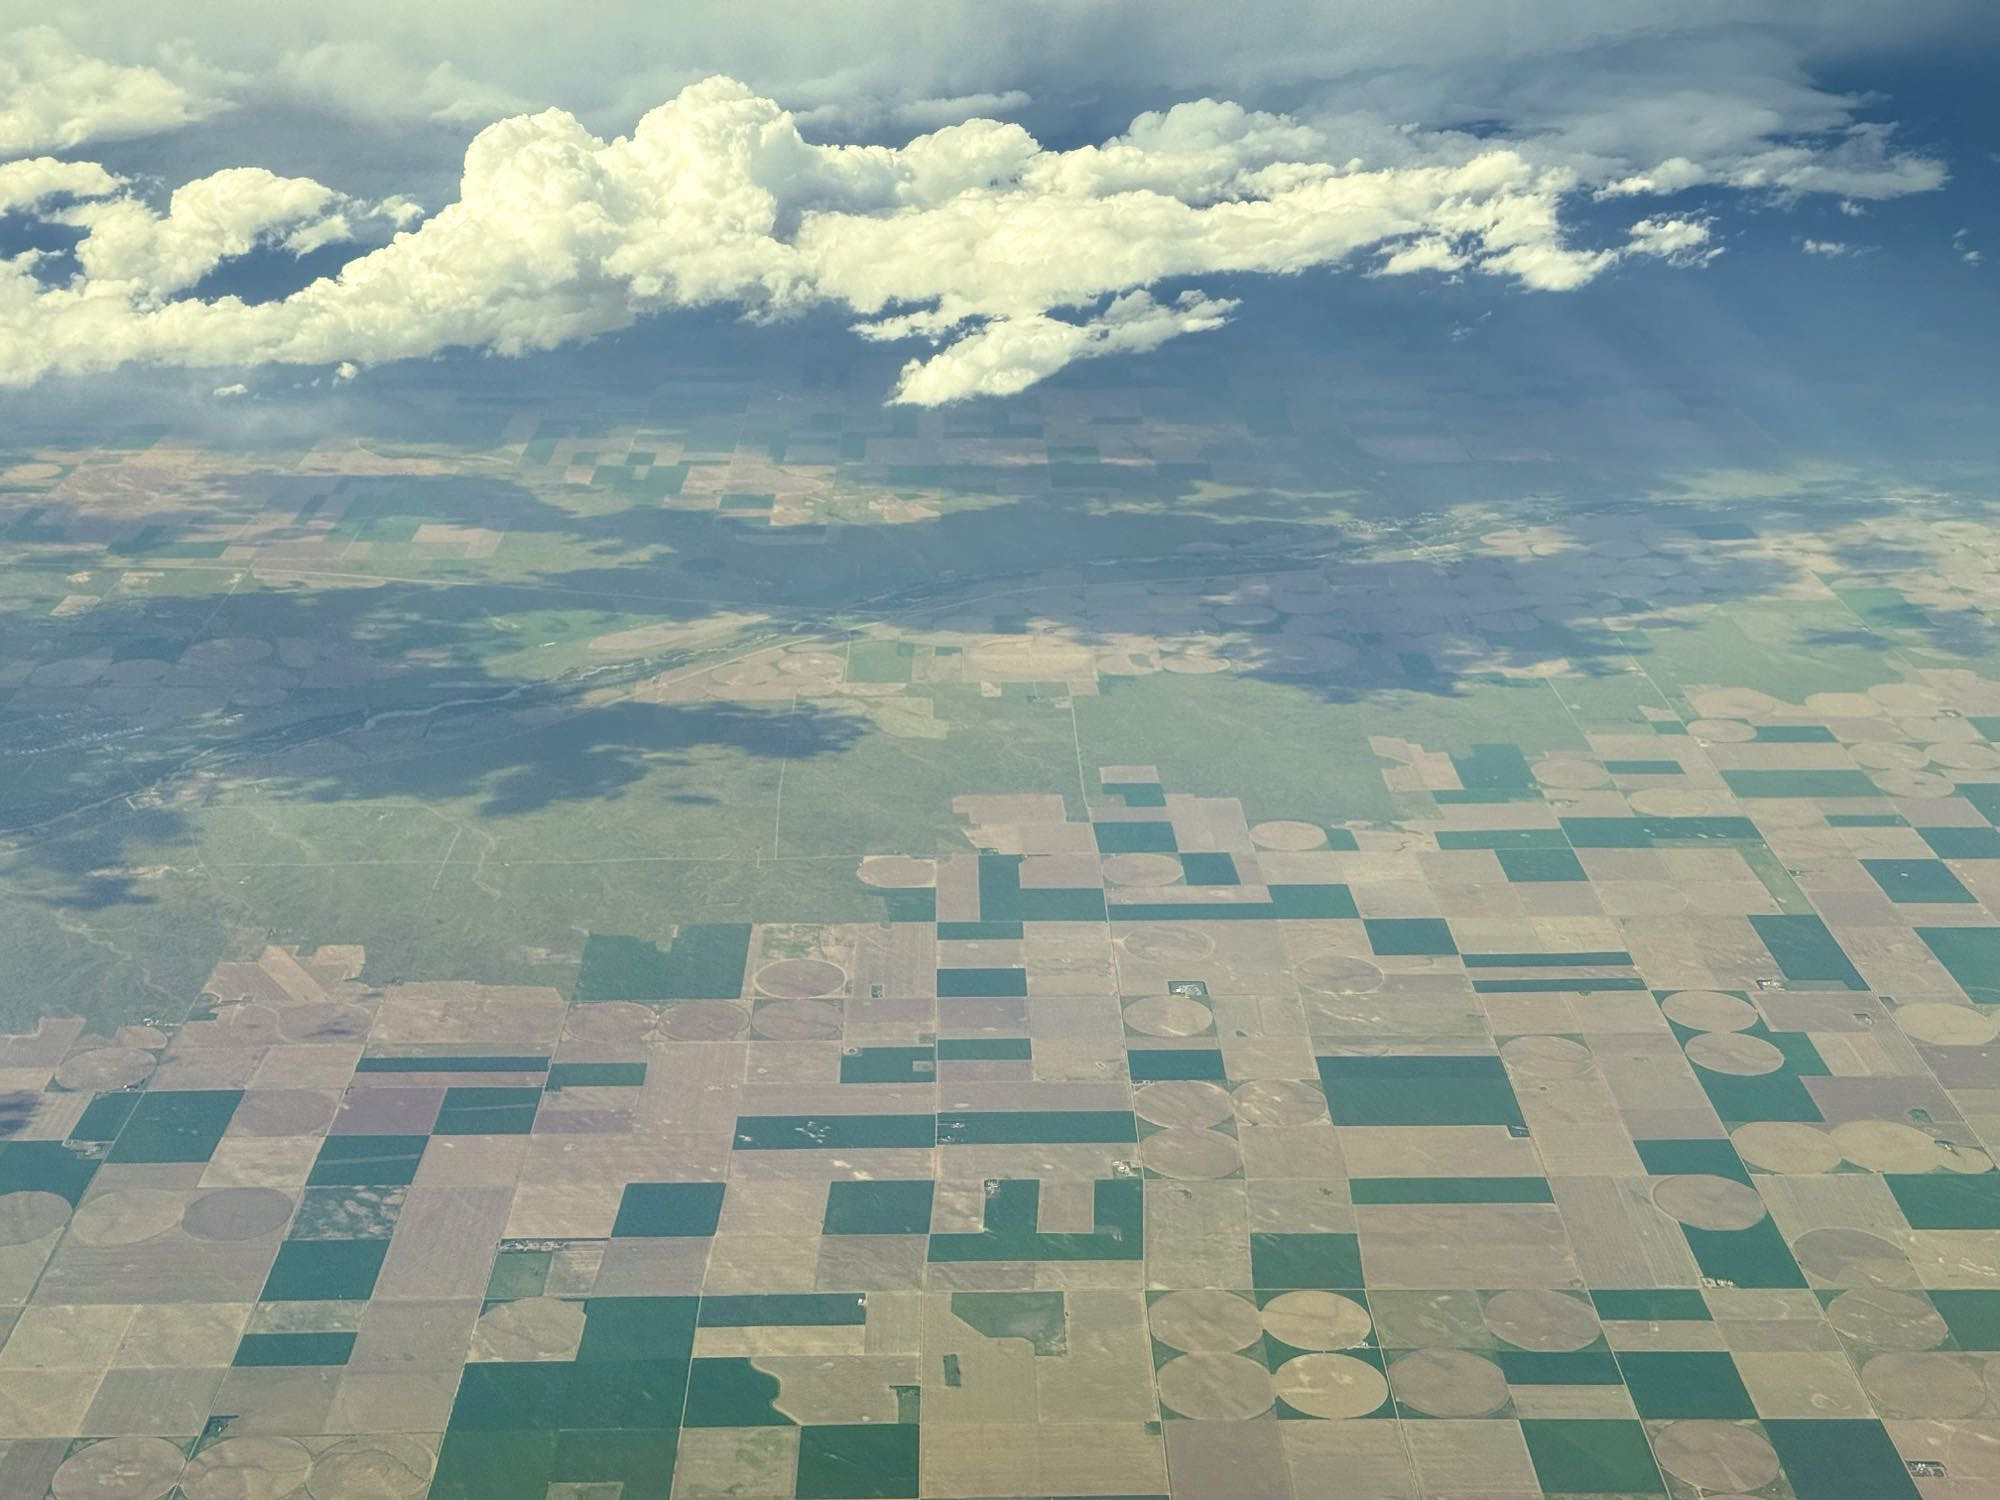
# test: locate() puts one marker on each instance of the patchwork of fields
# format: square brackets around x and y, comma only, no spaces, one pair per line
[723,942]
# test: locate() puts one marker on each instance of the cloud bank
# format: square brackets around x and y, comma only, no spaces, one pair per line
[1012,260]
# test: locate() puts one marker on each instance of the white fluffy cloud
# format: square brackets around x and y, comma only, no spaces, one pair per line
[1012,259]
[1006,355]
[33,180]
[54,96]
[1680,242]
[130,253]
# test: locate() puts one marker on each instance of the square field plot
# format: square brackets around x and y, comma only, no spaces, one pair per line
[1419,1090]
[1592,1457]
[857,1462]
[879,1207]
[176,1125]
[662,1210]
[1410,936]
[325,1270]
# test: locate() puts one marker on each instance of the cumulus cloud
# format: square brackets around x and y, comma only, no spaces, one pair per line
[130,253]
[1680,242]
[1006,355]
[1012,259]
[32,181]
[54,96]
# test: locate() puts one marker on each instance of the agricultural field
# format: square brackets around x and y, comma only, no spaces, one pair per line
[710,938]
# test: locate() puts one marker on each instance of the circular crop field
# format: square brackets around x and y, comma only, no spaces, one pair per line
[800,979]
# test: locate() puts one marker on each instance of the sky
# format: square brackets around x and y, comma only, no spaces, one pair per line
[995,194]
